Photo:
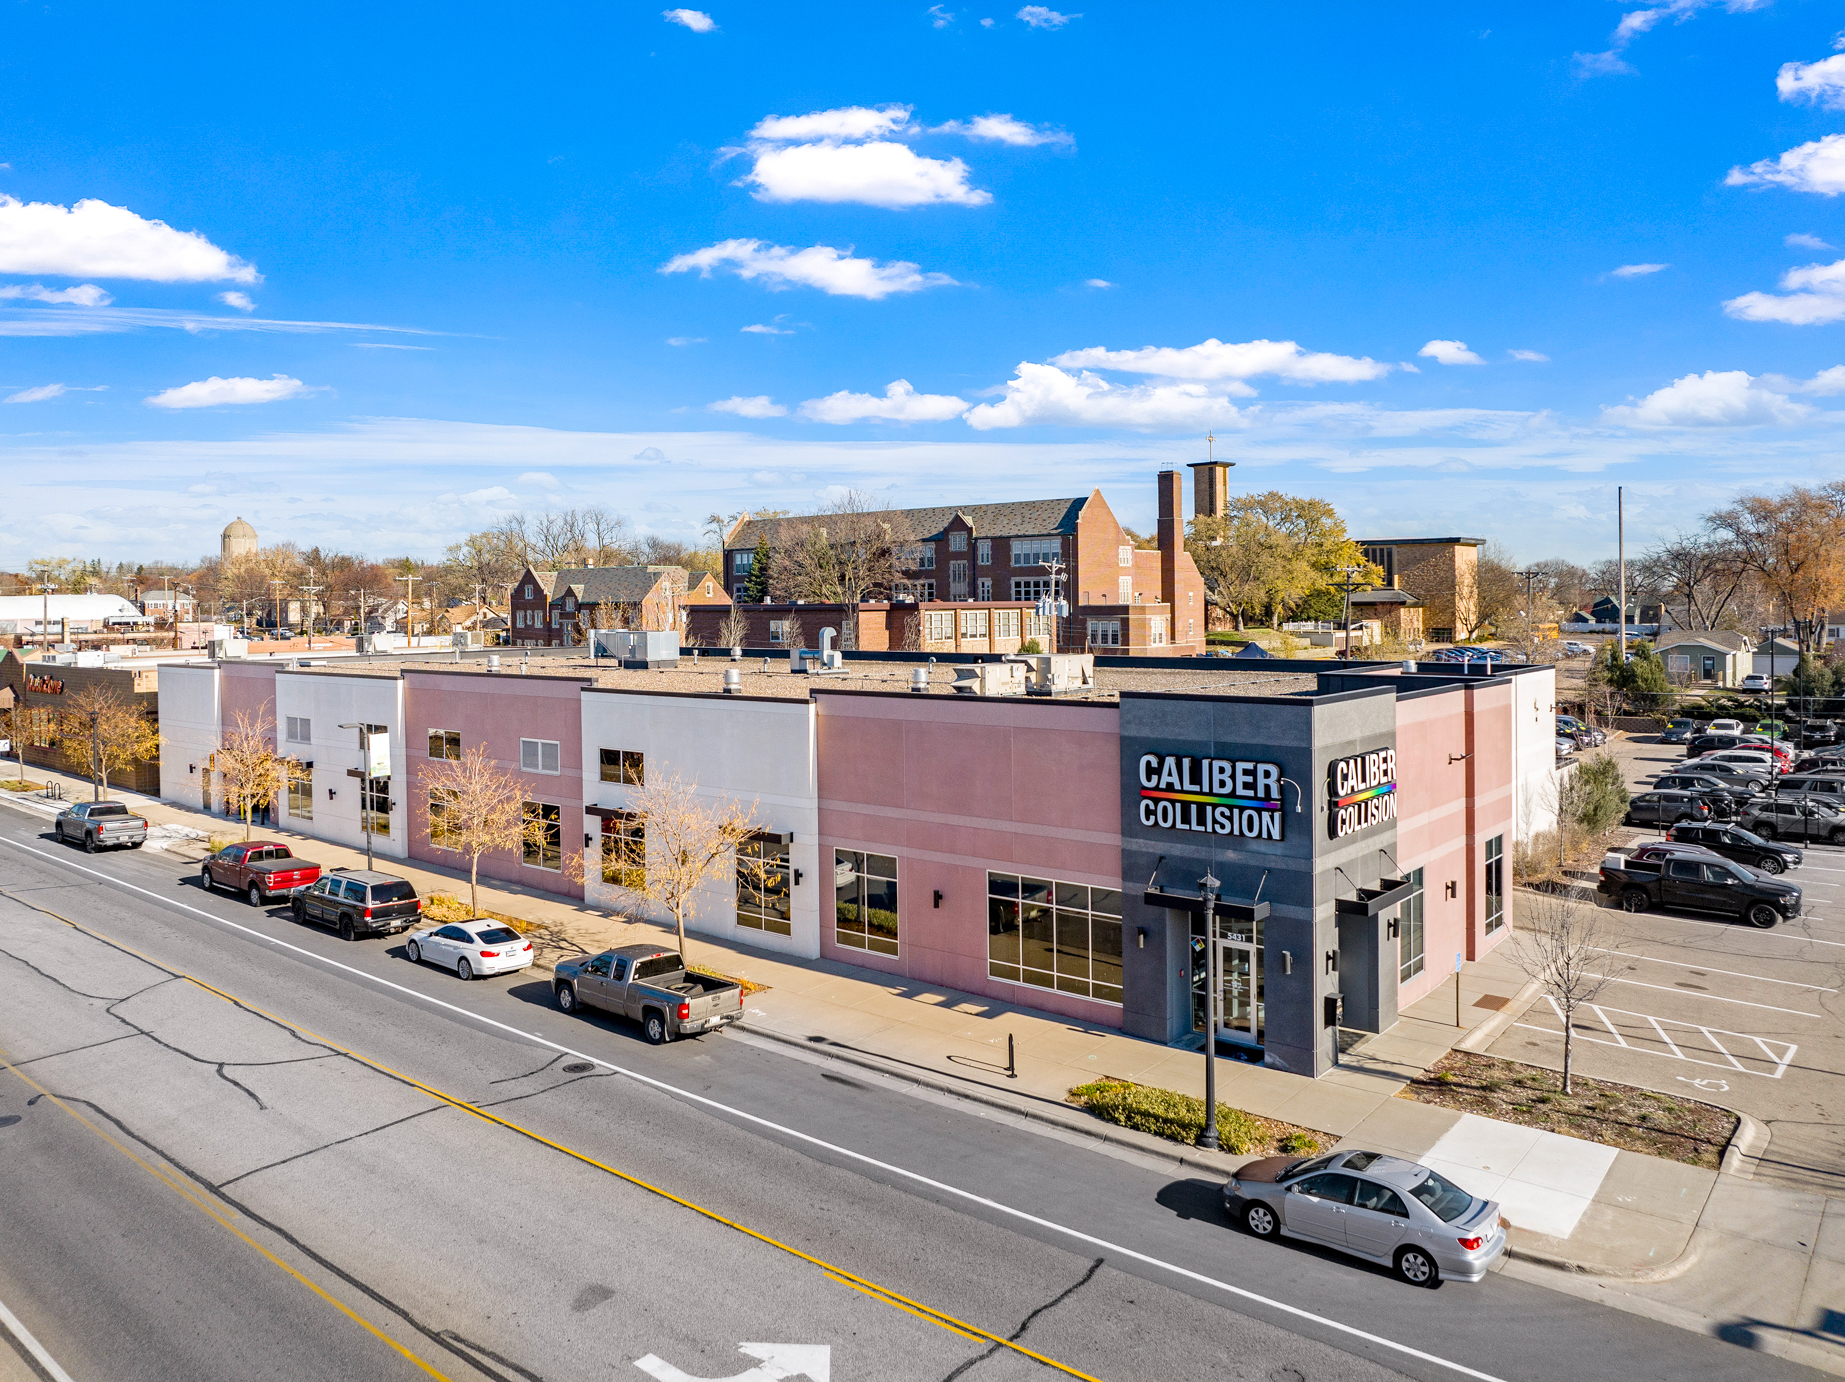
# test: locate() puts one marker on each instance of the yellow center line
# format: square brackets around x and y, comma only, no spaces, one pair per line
[859,1283]
[195,1201]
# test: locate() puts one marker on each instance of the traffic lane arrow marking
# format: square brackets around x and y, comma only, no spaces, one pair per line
[779,1361]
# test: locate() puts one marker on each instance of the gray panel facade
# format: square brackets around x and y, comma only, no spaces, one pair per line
[1304,736]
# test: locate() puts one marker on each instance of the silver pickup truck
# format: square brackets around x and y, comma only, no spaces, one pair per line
[101,825]
[653,987]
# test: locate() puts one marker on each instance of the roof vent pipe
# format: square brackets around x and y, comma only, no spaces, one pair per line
[733,682]
[919,680]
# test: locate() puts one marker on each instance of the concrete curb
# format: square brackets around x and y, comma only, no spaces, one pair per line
[1740,1157]
[1061,1116]
[1489,1031]
[1638,1276]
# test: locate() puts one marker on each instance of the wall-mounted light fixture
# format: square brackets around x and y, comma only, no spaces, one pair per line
[192,767]
[938,898]
[1391,929]
[586,840]
[797,878]
[1140,938]
[1287,962]
[1459,757]
[331,794]
[1453,887]
[1332,961]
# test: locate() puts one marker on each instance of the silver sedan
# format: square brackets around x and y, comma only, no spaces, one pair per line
[1377,1207]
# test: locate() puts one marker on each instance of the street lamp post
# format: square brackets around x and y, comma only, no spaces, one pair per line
[1207,892]
[365,787]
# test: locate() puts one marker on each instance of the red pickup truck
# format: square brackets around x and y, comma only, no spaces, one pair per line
[261,870]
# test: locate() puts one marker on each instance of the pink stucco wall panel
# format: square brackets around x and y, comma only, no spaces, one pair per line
[497,712]
[248,690]
[953,789]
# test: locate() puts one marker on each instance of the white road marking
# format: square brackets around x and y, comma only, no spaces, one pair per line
[1775,1053]
[1712,997]
[1766,934]
[1706,969]
[917,1177]
[779,1361]
[10,1322]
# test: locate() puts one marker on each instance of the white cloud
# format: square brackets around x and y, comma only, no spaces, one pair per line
[38,395]
[760,406]
[1044,394]
[764,329]
[830,270]
[1716,398]
[241,301]
[1637,270]
[1609,64]
[876,174]
[95,240]
[1213,359]
[1536,357]
[986,23]
[1826,383]
[544,479]
[386,345]
[696,20]
[83,295]
[1816,166]
[1822,82]
[941,18]
[215,392]
[38,321]
[687,340]
[1815,296]
[1003,129]
[1799,240]
[1097,283]
[845,123]
[900,403]
[1039,17]
[1450,353]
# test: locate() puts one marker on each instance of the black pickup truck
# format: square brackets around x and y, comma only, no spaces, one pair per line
[1700,884]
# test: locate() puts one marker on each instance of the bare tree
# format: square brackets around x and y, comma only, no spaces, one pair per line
[1700,573]
[734,630]
[793,635]
[249,772]
[108,733]
[474,807]
[1566,948]
[676,842]
[842,555]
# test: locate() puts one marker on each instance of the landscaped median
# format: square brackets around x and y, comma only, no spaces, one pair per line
[1615,1115]
[1180,1118]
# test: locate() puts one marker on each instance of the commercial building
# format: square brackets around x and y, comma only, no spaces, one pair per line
[555,608]
[1125,599]
[1442,572]
[44,697]
[1047,850]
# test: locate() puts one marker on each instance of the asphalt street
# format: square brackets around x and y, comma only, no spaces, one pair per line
[237,1147]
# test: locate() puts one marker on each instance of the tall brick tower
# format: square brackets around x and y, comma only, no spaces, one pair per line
[1171,533]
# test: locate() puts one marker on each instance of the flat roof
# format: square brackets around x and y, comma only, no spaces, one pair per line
[1420,541]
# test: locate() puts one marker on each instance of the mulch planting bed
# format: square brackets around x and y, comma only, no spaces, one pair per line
[1616,1115]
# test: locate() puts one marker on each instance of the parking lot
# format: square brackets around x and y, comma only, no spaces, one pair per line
[1712,1008]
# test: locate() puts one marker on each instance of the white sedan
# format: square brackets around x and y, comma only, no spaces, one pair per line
[472,947]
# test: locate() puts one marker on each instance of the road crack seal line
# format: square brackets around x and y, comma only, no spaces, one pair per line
[245,1088]
[1019,1333]
[201,1193]
[1256,1298]
[509,1079]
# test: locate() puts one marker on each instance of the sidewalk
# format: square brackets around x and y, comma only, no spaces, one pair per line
[1715,1252]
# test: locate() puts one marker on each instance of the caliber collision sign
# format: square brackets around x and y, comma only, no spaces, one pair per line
[1213,796]
[1360,792]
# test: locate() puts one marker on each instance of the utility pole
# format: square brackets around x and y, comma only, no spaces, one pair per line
[276,597]
[1348,585]
[409,606]
[44,623]
[311,591]
[1207,893]
[1530,631]
[1620,548]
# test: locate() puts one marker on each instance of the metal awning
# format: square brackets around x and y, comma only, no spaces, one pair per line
[1229,908]
[609,813]
[1371,901]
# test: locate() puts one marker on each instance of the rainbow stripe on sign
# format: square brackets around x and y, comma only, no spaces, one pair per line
[1211,801]
[1365,795]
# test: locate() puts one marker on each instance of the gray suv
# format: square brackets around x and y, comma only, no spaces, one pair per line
[1795,818]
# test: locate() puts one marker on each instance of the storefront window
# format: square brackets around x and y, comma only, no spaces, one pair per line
[375,806]
[865,888]
[624,851]
[1409,931]
[1495,883]
[1063,936]
[762,886]
[300,791]
[544,835]
[438,818]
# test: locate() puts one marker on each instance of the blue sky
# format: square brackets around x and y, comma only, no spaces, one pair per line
[375,280]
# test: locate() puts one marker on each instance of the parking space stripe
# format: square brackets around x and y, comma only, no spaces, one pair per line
[1707,969]
[1663,1037]
[1713,997]
[1779,1059]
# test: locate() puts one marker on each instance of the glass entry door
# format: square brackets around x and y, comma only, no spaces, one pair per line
[1240,959]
